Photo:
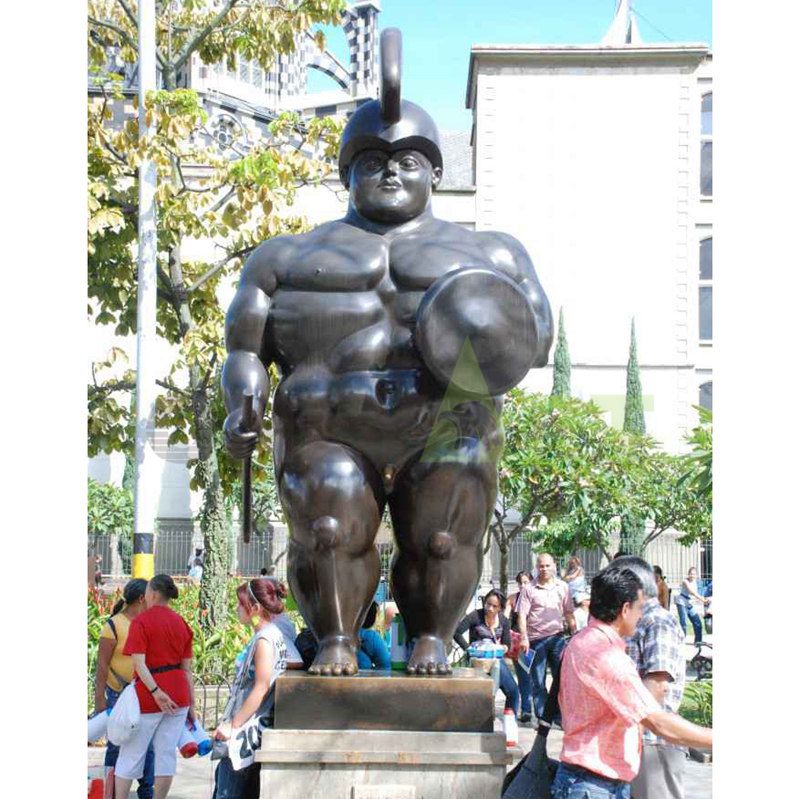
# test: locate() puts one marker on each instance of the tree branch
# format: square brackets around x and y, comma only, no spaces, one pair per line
[119,31]
[129,13]
[217,205]
[205,277]
[202,34]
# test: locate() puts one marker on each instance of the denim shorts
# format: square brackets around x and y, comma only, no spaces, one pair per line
[574,782]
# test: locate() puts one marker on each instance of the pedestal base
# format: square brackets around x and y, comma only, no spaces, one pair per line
[383,700]
[378,764]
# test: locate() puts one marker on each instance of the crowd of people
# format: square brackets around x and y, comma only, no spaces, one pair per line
[616,656]
[614,646]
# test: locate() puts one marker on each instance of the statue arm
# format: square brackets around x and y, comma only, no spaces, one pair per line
[510,257]
[248,354]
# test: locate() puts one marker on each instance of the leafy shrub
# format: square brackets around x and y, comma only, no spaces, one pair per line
[697,702]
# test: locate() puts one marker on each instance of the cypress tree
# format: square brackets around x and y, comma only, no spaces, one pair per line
[634,409]
[632,530]
[561,362]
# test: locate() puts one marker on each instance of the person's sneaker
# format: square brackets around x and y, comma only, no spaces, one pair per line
[524,718]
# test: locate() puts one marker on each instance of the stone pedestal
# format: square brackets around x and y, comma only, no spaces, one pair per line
[384,700]
[381,764]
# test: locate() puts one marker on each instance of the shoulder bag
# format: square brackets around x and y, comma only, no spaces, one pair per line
[532,777]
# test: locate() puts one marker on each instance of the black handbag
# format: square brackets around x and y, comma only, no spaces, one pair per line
[532,777]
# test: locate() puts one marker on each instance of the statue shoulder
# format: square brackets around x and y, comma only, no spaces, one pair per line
[503,247]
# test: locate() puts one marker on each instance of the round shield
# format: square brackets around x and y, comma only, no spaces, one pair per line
[476,330]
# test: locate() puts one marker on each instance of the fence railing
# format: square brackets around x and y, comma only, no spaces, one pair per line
[666,551]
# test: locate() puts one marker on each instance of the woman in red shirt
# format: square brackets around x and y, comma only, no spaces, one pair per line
[160,644]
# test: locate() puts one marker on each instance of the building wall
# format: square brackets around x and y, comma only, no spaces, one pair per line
[595,168]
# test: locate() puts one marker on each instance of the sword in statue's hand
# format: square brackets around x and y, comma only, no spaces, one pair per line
[247,491]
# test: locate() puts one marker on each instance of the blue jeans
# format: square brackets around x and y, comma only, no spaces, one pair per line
[546,651]
[524,680]
[242,784]
[145,789]
[694,617]
[508,685]
[573,782]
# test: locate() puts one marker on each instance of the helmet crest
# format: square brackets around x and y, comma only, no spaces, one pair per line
[390,123]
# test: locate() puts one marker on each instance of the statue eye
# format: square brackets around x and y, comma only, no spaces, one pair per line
[409,162]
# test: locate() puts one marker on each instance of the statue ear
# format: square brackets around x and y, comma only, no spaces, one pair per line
[436,176]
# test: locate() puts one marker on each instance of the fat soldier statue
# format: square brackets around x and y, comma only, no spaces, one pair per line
[396,335]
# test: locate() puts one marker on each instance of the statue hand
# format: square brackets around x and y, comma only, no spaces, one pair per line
[241,438]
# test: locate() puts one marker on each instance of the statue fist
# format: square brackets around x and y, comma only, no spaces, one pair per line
[241,436]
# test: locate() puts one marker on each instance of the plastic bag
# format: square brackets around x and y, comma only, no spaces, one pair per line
[124,718]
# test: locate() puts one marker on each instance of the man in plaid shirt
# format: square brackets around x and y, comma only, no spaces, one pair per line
[656,648]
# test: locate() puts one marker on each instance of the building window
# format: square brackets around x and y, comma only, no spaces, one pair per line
[705,293]
[706,395]
[706,146]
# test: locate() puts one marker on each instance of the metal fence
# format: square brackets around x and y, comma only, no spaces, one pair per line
[173,546]
[674,558]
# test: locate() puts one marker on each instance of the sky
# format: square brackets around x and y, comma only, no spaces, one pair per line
[438,34]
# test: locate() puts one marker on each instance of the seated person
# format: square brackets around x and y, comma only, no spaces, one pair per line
[373,652]
[489,622]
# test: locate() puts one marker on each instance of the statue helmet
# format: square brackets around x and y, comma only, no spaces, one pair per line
[390,123]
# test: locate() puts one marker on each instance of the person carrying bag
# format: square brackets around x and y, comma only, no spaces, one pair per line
[250,708]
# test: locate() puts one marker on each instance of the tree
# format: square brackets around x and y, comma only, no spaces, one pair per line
[632,528]
[698,473]
[634,408]
[567,480]
[567,474]
[206,191]
[561,362]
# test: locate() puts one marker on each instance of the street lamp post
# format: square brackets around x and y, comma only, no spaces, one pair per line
[145,492]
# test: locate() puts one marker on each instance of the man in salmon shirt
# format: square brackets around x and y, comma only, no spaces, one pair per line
[544,607]
[603,700]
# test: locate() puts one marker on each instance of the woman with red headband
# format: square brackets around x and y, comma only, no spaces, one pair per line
[251,704]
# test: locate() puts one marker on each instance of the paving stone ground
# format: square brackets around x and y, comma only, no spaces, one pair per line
[194,779]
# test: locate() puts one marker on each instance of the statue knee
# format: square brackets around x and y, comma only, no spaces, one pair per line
[441,545]
[327,532]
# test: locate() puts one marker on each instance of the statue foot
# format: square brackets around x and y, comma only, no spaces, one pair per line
[429,657]
[336,657]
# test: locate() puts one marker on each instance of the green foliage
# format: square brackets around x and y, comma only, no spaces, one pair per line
[109,509]
[698,474]
[632,527]
[634,409]
[224,194]
[697,704]
[561,363]
[572,478]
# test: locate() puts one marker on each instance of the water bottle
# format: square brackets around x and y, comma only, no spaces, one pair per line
[399,647]
[187,745]
[201,738]
[510,727]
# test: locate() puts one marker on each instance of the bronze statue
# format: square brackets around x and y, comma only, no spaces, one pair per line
[396,335]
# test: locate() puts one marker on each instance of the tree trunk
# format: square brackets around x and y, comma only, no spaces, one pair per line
[503,567]
[213,519]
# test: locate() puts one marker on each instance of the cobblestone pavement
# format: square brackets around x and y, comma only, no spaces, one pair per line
[194,779]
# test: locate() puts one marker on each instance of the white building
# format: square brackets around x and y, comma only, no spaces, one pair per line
[598,158]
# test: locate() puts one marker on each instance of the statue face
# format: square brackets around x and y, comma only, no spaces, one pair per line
[392,187]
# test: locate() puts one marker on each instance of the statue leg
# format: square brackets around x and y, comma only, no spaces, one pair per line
[440,511]
[333,501]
